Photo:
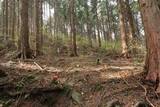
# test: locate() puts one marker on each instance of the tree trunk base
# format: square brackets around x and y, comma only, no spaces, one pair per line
[73,55]
[39,53]
[125,55]
[152,81]
[29,55]
[158,89]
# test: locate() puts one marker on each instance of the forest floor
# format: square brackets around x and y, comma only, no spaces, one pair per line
[72,82]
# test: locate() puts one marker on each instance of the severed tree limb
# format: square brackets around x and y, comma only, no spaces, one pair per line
[38,66]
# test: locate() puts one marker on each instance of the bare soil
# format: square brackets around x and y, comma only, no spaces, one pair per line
[30,83]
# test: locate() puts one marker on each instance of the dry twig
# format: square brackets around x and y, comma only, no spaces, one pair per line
[38,66]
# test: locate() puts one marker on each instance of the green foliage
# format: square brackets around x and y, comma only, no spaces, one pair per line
[24,80]
[56,82]
[98,61]
[71,93]
[82,42]
[75,96]
[98,87]
[66,88]
[6,101]
[26,96]
[2,46]
[112,46]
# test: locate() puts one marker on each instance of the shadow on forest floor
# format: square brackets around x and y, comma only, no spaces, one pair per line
[114,79]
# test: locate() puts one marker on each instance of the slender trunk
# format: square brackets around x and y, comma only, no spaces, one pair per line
[73,28]
[41,23]
[89,34]
[98,28]
[13,21]
[98,34]
[50,19]
[109,21]
[18,25]
[3,9]
[132,34]
[6,19]
[37,27]
[88,26]
[25,48]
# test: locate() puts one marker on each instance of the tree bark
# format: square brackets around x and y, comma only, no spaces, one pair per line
[41,24]
[122,28]
[73,28]
[37,27]
[6,20]
[132,34]
[98,24]
[3,12]
[88,22]
[25,48]
[109,26]
[150,10]
[18,25]
[13,20]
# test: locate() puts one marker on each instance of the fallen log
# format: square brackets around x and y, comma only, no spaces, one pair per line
[11,90]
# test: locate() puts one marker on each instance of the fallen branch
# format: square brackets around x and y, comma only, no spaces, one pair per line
[38,66]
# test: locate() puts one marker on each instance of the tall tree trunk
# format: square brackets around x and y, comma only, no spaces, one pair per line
[18,25]
[10,17]
[3,11]
[37,27]
[6,19]
[150,10]
[50,19]
[88,22]
[98,33]
[41,24]
[98,24]
[13,20]
[132,34]
[103,29]
[109,29]
[122,28]
[25,48]
[73,28]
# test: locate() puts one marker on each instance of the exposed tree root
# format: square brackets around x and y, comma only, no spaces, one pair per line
[146,97]
[19,55]
[158,89]
[125,55]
